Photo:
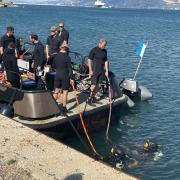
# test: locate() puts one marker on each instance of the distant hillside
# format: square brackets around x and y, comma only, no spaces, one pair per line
[160,4]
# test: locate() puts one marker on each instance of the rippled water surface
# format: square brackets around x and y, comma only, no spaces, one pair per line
[160,72]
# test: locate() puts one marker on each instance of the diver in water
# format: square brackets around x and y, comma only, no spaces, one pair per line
[122,156]
[118,158]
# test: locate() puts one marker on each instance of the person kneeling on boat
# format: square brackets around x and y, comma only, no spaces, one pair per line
[97,62]
[10,63]
[64,75]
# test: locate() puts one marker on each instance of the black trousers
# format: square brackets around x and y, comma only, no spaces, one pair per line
[15,83]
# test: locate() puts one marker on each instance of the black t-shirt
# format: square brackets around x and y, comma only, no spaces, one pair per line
[53,44]
[39,55]
[5,40]
[62,64]
[63,36]
[10,63]
[98,57]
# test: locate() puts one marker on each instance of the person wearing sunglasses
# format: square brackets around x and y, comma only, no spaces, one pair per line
[63,34]
[52,45]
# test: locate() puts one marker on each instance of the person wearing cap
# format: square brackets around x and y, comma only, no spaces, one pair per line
[38,53]
[97,62]
[6,39]
[64,75]
[63,34]
[52,45]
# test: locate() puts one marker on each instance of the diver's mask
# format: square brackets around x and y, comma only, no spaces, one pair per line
[117,151]
[150,146]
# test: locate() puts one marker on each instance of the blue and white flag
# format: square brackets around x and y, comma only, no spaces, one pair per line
[141,49]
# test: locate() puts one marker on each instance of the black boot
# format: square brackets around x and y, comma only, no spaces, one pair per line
[90,100]
[64,111]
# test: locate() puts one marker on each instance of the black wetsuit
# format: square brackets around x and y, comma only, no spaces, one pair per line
[129,156]
[53,45]
[10,63]
[63,36]
[5,40]
[98,57]
[62,64]
[38,56]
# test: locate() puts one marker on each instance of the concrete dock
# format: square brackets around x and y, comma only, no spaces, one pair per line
[27,154]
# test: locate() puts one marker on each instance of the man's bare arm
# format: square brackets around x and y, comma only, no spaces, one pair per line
[1,50]
[47,51]
[90,67]
[107,69]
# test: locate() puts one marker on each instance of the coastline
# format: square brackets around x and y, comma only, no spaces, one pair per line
[7,4]
[92,7]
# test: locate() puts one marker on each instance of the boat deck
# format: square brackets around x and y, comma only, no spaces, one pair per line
[73,114]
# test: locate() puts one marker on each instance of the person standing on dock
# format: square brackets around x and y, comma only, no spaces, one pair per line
[64,75]
[97,62]
[52,45]
[6,39]
[63,34]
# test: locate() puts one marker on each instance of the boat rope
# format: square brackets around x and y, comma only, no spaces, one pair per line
[79,136]
[110,112]
[82,122]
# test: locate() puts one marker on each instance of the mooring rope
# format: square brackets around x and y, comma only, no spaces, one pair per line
[82,121]
[78,135]
[110,112]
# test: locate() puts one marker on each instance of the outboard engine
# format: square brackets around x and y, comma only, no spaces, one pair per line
[132,89]
[130,85]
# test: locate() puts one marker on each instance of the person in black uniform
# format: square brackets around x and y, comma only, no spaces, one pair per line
[63,34]
[10,63]
[52,45]
[6,39]
[38,54]
[97,62]
[64,75]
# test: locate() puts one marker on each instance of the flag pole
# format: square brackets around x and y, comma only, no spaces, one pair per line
[141,57]
[137,68]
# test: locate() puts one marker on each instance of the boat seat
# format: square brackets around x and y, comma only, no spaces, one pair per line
[28,84]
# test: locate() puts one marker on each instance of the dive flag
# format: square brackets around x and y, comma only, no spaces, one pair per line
[141,49]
